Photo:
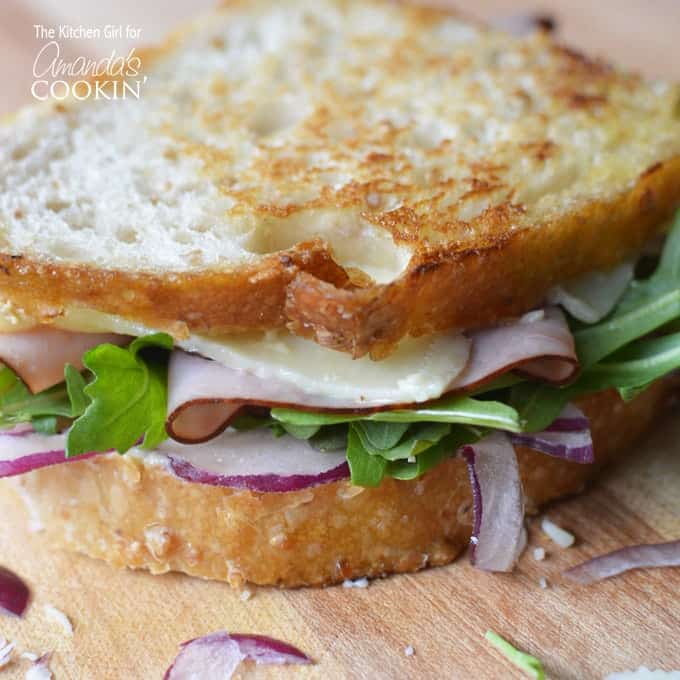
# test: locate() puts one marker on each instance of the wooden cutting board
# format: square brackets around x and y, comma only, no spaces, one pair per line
[128,625]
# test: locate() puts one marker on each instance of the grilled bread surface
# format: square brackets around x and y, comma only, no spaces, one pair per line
[132,515]
[353,170]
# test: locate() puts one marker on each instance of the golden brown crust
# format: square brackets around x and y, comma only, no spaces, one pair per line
[524,164]
[505,274]
[116,509]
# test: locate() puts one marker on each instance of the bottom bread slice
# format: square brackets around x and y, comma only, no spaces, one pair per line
[134,515]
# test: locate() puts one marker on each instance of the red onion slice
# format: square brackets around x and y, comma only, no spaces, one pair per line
[255,460]
[625,559]
[568,438]
[14,593]
[539,344]
[38,356]
[498,535]
[24,451]
[218,655]
[571,419]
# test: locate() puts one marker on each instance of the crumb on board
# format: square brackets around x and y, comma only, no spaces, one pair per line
[58,617]
[359,583]
[245,595]
[557,534]
[539,554]
[409,651]
[543,582]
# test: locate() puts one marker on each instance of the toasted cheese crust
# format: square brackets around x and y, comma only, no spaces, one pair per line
[355,171]
[116,508]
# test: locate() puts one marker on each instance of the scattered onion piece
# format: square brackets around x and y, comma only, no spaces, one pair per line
[14,593]
[498,535]
[40,670]
[625,559]
[6,652]
[218,655]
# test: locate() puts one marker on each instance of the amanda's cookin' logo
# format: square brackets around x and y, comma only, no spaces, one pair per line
[110,77]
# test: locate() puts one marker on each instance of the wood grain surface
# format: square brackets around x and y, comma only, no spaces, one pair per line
[128,625]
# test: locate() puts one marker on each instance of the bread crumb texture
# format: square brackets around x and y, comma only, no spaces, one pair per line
[356,171]
[376,126]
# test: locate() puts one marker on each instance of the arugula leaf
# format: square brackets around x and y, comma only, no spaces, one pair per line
[277,429]
[301,431]
[45,424]
[128,397]
[457,409]
[630,370]
[615,353]
[365,469]
[634,367]
[75,388]
[382,435]
[629,393]
[330,438]
[248,421]
[529,664]
[539,404]
[647,305]
[402,469]
[421,437]
[19,405]
[8,379]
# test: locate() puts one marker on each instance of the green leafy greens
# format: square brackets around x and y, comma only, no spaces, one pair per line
[124,402]
[618,352]
[128,397]
[19,405]
[458,409]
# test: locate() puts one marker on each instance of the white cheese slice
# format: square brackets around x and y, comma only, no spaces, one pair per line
[418,370]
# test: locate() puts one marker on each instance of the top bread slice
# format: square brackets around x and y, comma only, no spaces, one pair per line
[356,171]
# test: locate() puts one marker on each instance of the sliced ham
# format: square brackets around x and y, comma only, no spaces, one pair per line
[204,396]
[539,344]
[38,356]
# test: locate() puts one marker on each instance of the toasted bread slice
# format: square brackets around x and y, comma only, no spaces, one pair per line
[355,170]
[116,508]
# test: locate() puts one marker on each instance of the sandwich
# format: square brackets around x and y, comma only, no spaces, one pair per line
[348,287]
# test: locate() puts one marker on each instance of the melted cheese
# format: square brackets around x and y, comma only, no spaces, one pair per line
[418,370]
